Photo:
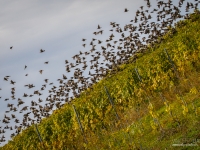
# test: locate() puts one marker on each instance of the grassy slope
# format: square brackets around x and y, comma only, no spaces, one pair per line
[147,119]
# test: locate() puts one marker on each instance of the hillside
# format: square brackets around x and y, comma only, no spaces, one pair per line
[155,101]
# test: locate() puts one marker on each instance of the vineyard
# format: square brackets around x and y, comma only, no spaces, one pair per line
[152,102]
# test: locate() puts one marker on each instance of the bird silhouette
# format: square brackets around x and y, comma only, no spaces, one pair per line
[125,10]
[41,50]
[41,71]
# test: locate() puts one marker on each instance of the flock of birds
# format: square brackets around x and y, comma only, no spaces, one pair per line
[134,38]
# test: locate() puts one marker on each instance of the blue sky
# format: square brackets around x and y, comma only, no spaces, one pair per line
[57,27]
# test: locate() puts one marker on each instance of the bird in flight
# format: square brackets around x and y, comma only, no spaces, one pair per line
[12,82]
[98,27]
[42,50]
[41,71]
[125,10]
[11,47]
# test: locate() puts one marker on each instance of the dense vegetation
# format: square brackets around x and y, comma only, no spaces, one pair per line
[155,102]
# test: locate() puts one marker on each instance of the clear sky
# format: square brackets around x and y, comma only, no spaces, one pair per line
[57,27]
